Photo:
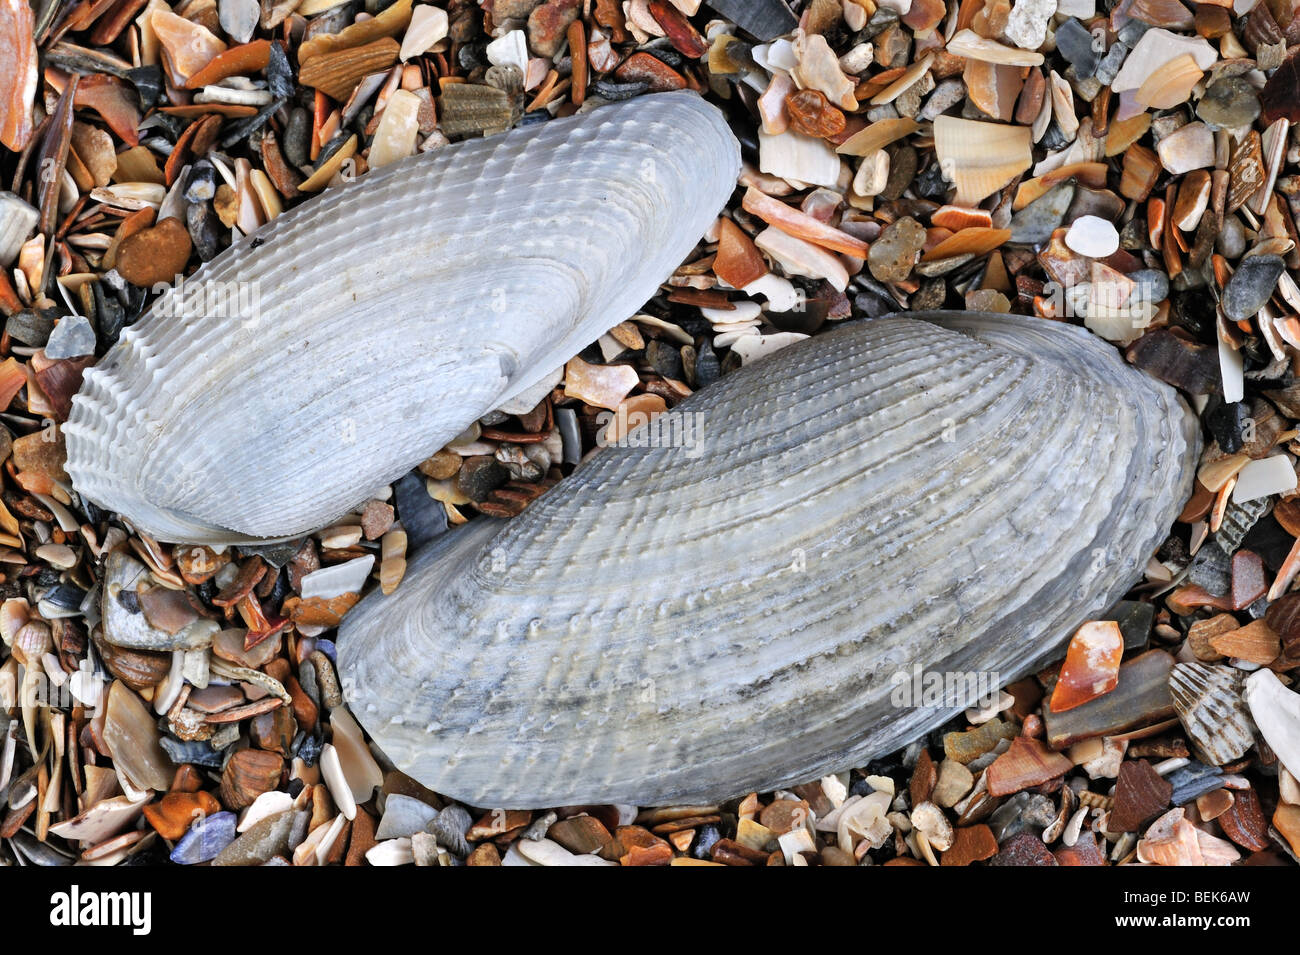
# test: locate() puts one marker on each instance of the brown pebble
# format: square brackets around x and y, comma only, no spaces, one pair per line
[486,854]
[441,466]
[155,255]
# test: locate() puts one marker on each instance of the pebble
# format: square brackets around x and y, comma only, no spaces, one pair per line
[604,386]
[1093,236]
[480,475]
[1027,24]
[265,840]
[205,840]
[1251,286]
[1229,102]
[175,813]
[1034,224]
[665,359]
[239,18]
[155,255]
[1111,64]
[57,555]
[547,25]
[1231,240]
[1076,44]
[392,852]
[893,255]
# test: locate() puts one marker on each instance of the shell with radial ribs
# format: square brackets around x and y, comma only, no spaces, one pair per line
[1209,705]
[356,334]
[739,605]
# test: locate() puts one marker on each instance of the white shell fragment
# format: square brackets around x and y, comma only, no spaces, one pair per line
[1276,711]
[577,654]
[477,269]
[1265,477]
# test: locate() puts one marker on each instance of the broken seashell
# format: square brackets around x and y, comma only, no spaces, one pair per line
[971,45]
[980,158]
[1209,705]
[1276,711]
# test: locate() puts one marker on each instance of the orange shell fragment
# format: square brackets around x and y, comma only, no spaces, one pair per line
[738,261]
[1091,667]
[237,61]
[18,73]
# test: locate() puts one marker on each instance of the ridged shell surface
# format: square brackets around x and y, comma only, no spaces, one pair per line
[1209,704]
[387,316]
[697,622]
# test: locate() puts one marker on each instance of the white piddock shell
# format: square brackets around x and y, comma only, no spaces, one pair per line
[707,619]
[390,314]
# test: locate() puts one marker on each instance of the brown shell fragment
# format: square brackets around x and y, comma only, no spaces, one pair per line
[681,34]
[1140,698]
[1091,665]
[1026,764]
[1256,643]
[336,74]
[1280,97]
[236,61]
[1243,821]
[1141,794]
[114,101]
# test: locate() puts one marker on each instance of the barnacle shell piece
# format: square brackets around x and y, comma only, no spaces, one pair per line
[358,333]
[733,609]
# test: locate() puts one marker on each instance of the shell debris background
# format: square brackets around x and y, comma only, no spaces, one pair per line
[139,142]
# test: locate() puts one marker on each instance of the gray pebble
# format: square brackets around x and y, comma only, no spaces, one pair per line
[72,337]
[1251,286]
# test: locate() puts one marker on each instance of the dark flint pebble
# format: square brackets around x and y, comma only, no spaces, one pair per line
[204,228]
[665,359]
[1076,44]
[1251,286]
[148,83]
[1225,422]
[705,839]
[297,137]
[200,182]
[31,327]
[479,476]
[1268,539]
[1194,779]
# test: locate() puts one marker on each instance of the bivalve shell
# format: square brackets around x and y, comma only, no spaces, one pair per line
[681,622]
[359,332]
